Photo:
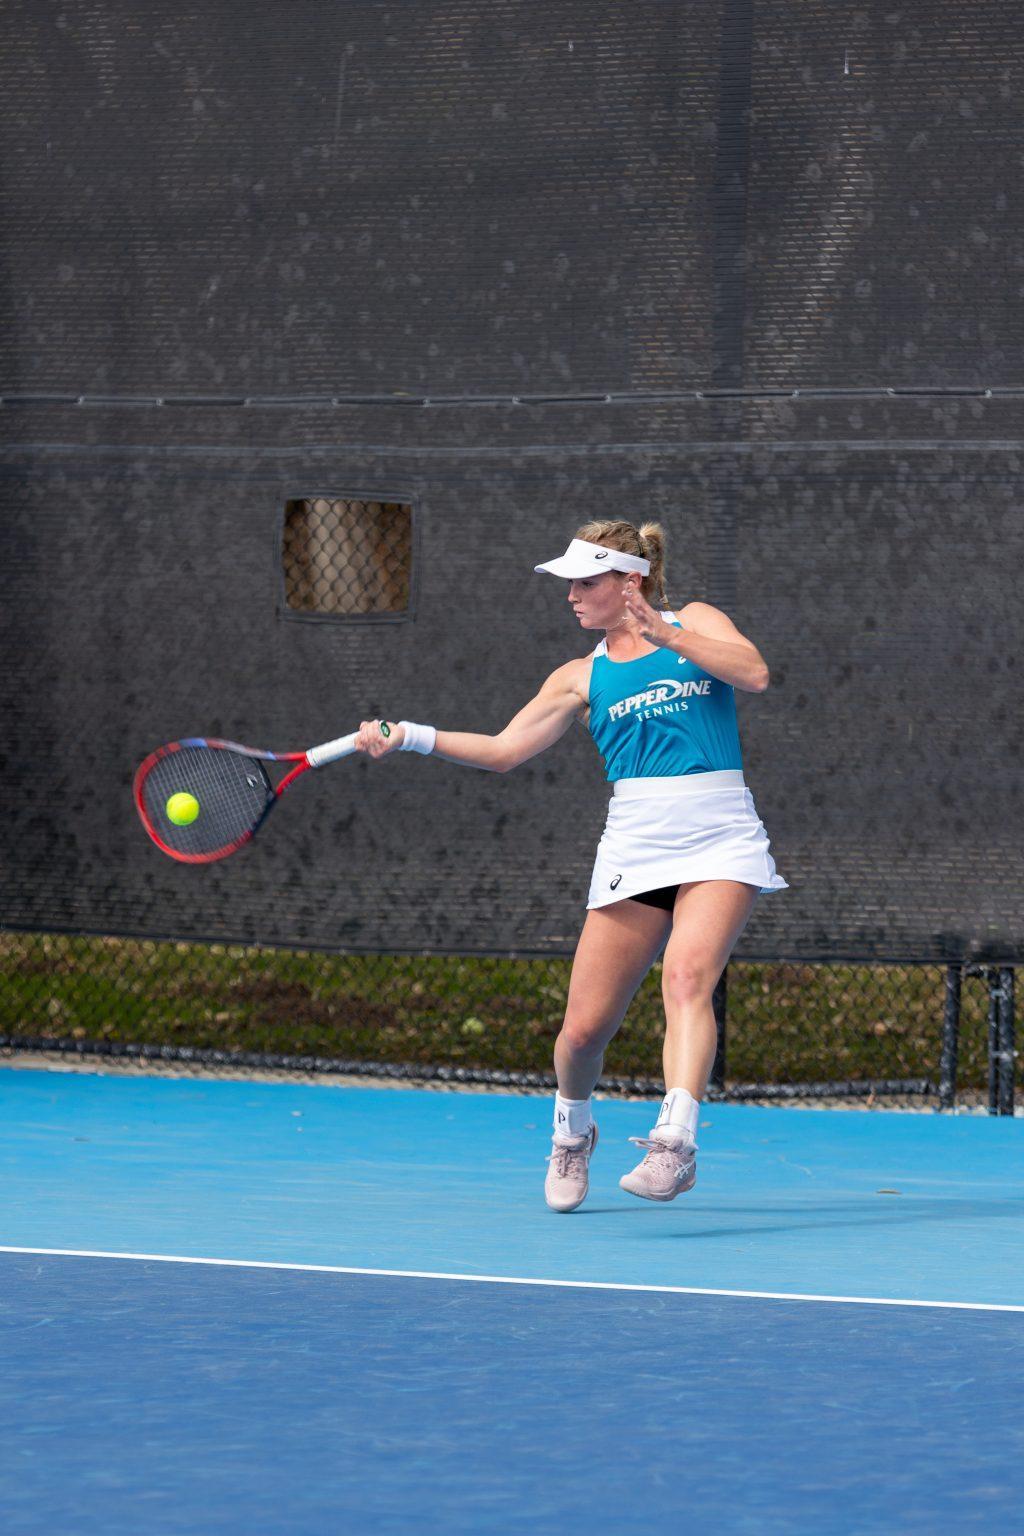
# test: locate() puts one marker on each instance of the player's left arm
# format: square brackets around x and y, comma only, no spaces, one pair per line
[708,638]
[711,640]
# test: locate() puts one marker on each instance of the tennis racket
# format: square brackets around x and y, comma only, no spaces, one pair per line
[201,799]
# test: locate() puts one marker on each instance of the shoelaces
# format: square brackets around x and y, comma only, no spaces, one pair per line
[564,1157]
[679,1157]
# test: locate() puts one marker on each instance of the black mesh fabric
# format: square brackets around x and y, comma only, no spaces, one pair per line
[507,195]
[374,197]
[512,266]
[232,792]
[878,580]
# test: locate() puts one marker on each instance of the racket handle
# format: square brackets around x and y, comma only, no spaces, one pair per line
[330,751]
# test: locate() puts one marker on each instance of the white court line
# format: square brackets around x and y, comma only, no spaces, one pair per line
[581,1285]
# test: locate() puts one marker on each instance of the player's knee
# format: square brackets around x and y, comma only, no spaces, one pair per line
[582,1036]
[687,980]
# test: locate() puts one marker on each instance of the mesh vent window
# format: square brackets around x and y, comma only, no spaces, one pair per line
[347,559]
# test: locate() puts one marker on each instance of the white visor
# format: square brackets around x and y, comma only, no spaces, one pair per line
[585,559]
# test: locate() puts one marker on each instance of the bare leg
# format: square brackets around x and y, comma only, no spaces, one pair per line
[617,947]
[708,918]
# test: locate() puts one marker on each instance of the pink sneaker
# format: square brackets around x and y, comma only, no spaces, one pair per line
[567,1179]
[669,1169]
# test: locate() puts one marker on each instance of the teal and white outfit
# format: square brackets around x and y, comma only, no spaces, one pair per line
[680,808]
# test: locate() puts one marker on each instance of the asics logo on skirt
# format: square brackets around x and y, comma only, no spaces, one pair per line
[615,882]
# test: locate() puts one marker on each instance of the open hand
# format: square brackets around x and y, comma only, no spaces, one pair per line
[372,740]
[644,619]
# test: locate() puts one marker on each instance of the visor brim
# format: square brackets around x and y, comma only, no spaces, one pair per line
[570,570]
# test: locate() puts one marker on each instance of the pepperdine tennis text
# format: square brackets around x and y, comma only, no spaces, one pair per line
[661,691]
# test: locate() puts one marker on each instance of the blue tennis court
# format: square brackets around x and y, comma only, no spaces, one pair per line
[242,1306]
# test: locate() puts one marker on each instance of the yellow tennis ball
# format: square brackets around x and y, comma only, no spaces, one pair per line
[182,809]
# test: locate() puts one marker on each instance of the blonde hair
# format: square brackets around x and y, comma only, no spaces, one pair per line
[648,541]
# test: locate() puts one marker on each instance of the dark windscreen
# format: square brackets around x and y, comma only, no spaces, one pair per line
[695,210]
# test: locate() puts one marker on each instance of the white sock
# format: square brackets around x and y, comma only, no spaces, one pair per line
[572,1116]
[679,1114]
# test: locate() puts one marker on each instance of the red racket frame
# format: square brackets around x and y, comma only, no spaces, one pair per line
[300,759]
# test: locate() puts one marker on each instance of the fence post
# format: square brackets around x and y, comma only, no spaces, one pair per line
[992,977]
[718,1001]
[950,1039]
[1005,1044]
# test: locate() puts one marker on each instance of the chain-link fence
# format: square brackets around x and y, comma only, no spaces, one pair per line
[934,1034]
[346,558]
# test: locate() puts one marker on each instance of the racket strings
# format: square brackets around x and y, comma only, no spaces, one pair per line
[233,792]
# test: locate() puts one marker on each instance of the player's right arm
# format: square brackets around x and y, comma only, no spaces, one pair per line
[539,724]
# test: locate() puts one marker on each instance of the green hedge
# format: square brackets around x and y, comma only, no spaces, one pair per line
[787,1023]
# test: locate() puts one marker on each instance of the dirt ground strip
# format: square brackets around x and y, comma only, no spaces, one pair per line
[59,1061]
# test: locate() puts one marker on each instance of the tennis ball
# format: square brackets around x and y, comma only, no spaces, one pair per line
[182,809]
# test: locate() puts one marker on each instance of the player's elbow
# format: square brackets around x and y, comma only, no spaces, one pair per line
[503,759]
[509,754]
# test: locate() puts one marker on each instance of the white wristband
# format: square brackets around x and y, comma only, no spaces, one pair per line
[418,738]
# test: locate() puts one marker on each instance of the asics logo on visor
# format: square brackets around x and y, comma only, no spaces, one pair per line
[602,557]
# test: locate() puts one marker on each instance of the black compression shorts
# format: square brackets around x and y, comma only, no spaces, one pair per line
[664,897]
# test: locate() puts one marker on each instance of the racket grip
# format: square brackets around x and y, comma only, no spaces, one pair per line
[330,751]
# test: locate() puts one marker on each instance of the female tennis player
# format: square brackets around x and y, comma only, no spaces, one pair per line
[683,857]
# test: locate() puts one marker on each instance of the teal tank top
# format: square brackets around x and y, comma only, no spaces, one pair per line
[660,716]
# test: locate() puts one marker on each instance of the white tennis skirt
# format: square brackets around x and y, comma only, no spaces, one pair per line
[697,826]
